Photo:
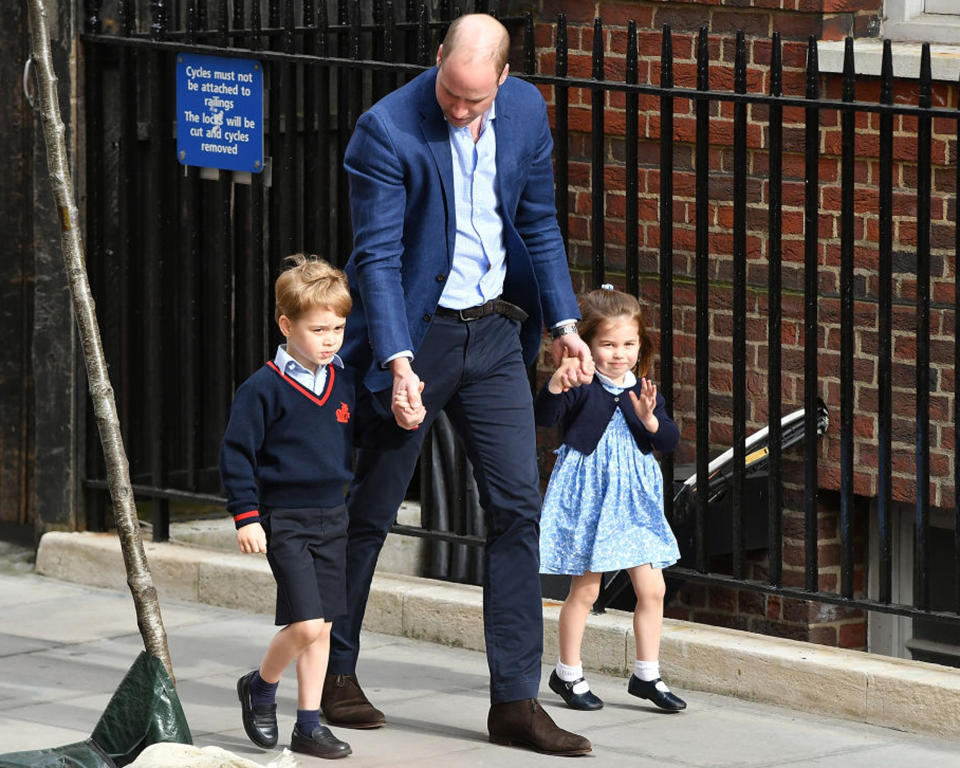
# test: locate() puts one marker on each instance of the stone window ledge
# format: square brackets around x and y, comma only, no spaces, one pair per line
[867,55]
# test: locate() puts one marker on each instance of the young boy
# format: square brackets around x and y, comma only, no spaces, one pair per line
[285,463]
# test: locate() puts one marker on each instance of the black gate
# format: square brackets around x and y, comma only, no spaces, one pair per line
[182,259]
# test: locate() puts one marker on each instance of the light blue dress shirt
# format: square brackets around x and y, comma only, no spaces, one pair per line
[315,382]
[479,257]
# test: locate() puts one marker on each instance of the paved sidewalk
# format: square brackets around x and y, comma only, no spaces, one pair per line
[64,648]
[833,682]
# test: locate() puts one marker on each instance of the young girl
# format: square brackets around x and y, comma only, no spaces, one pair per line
[603,510]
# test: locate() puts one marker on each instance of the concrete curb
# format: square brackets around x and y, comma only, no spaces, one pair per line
[894,693]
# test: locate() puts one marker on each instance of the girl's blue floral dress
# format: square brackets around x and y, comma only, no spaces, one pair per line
[604,511]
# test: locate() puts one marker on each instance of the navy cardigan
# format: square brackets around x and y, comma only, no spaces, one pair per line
[585,412]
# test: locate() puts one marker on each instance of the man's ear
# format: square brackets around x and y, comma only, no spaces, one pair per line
[439,54]
[503,75]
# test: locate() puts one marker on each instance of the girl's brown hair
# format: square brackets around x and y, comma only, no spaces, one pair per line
[309,282]
[604,304]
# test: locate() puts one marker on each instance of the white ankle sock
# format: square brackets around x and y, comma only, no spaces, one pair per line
[646,670]
[569,674]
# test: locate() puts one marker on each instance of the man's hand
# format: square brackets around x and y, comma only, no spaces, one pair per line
[405,402]
[569,375]
[571,345]
[252,538]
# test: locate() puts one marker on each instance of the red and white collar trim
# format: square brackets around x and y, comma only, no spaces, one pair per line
[331,376]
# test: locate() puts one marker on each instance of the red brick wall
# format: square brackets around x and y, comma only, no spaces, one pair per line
[795,20]
[786,617]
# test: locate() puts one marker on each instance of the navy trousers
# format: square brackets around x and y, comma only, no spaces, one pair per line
[474,371]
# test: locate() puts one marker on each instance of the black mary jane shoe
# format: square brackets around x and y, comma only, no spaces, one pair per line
[586,701]
[647,689]
[259,720]
[320,743]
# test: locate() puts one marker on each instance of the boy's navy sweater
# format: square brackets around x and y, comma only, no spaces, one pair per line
[285,446]
[585,412]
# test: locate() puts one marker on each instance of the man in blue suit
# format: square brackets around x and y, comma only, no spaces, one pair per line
[457,264]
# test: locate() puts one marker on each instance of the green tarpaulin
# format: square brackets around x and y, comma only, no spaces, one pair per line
[144,710]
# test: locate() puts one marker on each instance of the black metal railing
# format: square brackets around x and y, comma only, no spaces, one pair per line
[185,258]
[182,271]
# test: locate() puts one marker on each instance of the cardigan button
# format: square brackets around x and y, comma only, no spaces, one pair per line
[426,317]
[616,399]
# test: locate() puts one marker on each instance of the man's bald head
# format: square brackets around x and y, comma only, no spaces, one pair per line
[476,37]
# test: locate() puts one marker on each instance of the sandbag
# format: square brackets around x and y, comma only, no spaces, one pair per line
[144,710]
[81,754]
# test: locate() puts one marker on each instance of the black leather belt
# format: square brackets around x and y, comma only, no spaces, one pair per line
[492,307]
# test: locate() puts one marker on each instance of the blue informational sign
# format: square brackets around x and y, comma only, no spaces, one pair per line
[220,112]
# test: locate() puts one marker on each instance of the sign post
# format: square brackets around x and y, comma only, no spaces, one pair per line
[220,112]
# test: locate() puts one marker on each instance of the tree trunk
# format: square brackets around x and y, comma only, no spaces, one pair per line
[101,392]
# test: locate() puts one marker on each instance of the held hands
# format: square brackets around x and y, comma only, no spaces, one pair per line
[401,404]
[571,345]
[252,539]
[574,363]
[406,405]
[571,373]
[645,404]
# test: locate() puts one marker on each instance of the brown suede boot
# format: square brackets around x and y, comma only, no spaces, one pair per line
[525,724]
[344,704]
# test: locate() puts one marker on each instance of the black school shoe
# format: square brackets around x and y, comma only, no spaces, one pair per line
[645,689]
[586,701]
[320,743]
[260,720]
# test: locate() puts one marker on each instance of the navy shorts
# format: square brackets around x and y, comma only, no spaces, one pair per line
[306,549]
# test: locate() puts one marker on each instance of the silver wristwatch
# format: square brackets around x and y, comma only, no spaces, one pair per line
[563,330]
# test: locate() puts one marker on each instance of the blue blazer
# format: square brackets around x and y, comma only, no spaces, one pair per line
[584,413]
[401,200]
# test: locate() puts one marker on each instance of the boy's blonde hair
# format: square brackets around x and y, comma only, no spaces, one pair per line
[308,282]
[604,304]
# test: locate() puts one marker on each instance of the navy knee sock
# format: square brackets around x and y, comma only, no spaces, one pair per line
[308,720]
[262,692]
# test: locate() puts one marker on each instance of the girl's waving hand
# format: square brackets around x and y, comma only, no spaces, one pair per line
[645,404]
